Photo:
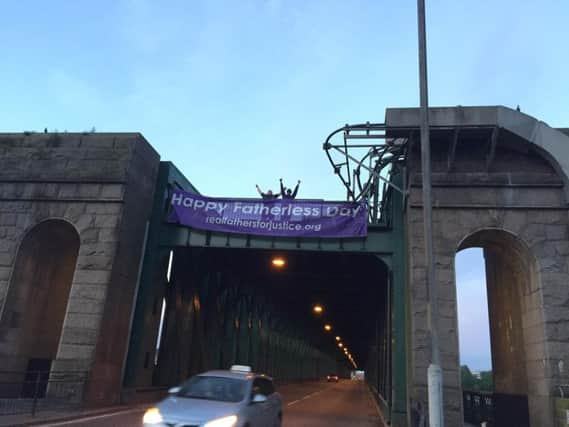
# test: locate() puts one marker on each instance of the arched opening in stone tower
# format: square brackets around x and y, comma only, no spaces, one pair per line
[473,322]
[514,313]
[34,310]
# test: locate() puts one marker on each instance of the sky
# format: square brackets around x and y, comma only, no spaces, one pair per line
[473,322]
[239,93]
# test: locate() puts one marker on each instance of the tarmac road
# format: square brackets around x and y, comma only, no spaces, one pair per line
[316,404]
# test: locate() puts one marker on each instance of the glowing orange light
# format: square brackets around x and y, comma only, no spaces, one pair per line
[318,309]
[278,262]
[340,345]
[337,338]
[327,327]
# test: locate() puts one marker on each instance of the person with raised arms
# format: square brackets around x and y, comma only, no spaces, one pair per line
[287,193]
[269,195]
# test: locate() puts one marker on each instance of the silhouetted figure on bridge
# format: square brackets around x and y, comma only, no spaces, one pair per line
[269,195]
[288,193]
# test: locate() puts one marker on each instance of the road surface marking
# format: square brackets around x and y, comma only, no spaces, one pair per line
[308,396]
[96,417]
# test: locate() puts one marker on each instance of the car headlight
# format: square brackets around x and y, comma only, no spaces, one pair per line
[152,416]
[229,421]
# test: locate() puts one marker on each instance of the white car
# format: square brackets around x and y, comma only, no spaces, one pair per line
[234,398]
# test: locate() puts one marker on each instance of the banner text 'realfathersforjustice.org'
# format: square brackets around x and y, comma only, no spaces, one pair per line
[262,225]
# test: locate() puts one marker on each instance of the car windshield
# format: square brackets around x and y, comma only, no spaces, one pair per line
[214,388]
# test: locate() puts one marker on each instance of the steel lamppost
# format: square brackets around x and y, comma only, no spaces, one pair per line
[435,377]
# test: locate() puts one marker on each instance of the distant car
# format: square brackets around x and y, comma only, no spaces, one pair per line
[234,398]
[332,378]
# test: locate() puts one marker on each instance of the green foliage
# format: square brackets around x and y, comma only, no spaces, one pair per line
[486,381]
[468,380]
[473,383]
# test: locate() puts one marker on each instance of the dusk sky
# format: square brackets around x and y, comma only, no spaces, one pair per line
[244,92]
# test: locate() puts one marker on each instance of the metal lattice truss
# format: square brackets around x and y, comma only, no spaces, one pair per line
[364,158]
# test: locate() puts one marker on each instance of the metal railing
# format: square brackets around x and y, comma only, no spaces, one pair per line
[495,409]
[478,407]
[28,392]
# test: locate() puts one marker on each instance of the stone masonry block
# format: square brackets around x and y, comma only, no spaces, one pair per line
[107,221]
[5,273]
[451,378]
[90,235]
[534,233]
[557,232]
[6,259]
[558,349]
[543,249]
[85,306]
[75,351]
[109,234]
[515,221]
[95,262]
[57,210]
[73,211]
[25,221]
[15,207]
[112,191]
[70,365]
[84,222]
[8,219]
[104,208]
[551,264]
[89,191]
[88,291]
[83,320]
[561,248]
[68,191]
[99,248]
[80,336]
[555,283]
[558,331]
[549,217]
[92,276]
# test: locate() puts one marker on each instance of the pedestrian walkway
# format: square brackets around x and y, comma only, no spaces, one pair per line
[21,420]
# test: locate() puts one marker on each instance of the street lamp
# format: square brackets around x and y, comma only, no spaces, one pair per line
[337,338]
[278,262]
[434,372]
[318,309]
[327,327]
[340,345]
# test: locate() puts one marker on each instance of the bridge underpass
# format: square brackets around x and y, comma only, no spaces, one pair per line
[226,303]
[226,306]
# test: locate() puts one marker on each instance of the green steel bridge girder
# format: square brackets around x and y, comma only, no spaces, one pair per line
[385,242]
[380,241]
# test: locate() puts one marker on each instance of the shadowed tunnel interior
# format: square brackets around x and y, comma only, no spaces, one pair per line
[226,306]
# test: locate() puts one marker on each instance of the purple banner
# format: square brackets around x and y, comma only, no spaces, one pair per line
[287,218]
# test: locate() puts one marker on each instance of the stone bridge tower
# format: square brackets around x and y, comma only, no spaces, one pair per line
[73,212]
[499,183]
